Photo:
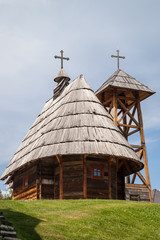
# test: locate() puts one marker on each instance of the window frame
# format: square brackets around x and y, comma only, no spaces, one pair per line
[134,197]
[98,167]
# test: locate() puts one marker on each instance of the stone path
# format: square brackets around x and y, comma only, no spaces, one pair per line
[7,231]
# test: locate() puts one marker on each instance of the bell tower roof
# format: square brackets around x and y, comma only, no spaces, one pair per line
[122,80]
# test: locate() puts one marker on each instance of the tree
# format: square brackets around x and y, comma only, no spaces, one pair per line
[1,196]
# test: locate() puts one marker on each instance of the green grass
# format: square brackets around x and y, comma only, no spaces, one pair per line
[83,219]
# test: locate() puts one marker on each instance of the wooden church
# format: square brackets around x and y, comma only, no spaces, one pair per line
[74,149]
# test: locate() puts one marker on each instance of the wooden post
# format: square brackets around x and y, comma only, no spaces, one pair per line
[60,160]
[109,178]
[116,177]
[40,180]
[85,176]
[145,160]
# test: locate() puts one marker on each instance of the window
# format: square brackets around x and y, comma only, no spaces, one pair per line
[25,181]
[134,197]
[97,172]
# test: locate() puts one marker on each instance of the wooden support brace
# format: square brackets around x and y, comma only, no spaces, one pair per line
[141,178]
[131,133]
[115,107]
[107,101]
[128,113]
[110,107]
[133,113]
[133,179]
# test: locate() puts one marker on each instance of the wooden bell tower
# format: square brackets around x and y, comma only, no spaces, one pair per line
[121,95]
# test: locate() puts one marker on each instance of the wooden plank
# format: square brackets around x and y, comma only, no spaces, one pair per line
[85,176]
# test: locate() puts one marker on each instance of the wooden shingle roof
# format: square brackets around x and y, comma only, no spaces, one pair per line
[121,79]
[73,123]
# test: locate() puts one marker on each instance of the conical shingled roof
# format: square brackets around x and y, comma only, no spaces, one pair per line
[74,123]
[121,79]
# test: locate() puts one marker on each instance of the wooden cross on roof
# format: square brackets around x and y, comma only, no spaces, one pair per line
[118,57]
[62,58]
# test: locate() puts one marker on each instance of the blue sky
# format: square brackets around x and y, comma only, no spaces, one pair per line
[89,31]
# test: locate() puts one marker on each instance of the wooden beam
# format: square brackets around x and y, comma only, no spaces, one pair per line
[128,168]
[128,113]
[120,164]
[145,160]
[128,179]
[109,178]
[142,178]
[85,176]
[120,112]
[140,154]
[40,180]
[127,98]
[116,182]
[115,107]
[129,134]
[133,179]
[107,101]
[135,185]
[133,113]
[126,125]
[60,161]
[110,107]
[136,146]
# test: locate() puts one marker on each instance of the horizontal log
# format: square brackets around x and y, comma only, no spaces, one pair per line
[135,185]
[126,125]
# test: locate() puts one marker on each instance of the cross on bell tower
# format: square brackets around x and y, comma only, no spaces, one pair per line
[62,58]
[118,57]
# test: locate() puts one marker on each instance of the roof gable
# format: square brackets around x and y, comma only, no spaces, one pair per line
[121,79]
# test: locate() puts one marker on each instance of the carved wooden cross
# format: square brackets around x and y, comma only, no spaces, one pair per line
[62,58]
[118,57]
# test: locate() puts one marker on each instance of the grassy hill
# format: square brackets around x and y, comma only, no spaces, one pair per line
[83,219]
